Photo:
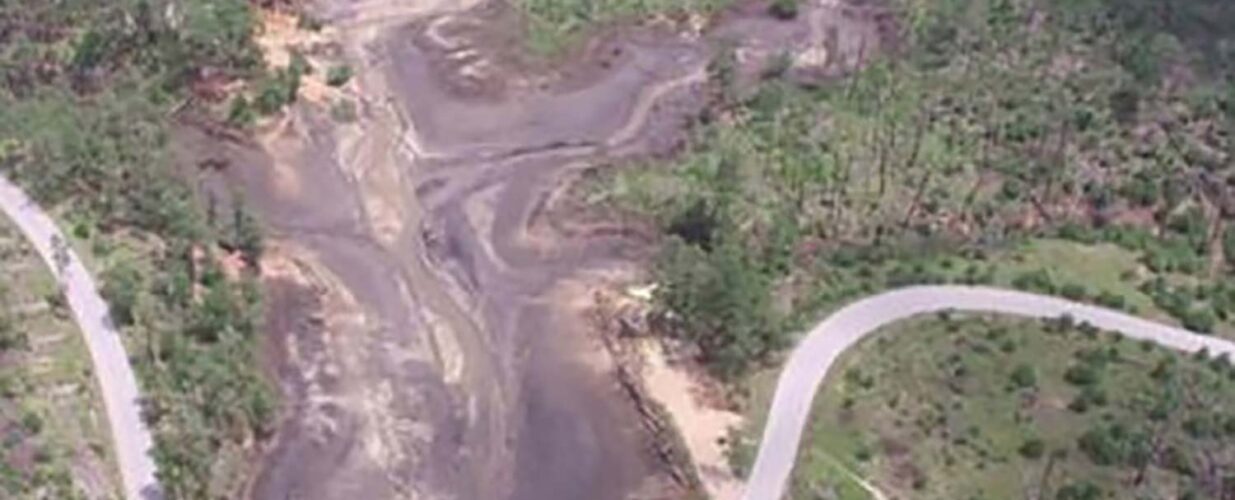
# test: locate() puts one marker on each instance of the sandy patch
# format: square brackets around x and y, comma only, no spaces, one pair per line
[280,35]
[702,425]
[369,154]
[283,145]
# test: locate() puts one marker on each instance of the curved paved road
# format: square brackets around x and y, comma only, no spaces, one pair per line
[815,354]
[111,364]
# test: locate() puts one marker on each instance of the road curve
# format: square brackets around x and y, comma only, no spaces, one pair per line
[813,357]
[130,436]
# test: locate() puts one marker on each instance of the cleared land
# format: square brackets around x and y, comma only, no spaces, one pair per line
[56,438]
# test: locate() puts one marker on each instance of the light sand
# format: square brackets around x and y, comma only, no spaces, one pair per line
[701,425]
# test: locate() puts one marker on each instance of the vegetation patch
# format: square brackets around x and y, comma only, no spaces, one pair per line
[87,94]
[973,407]
[1002,130]
[57,443]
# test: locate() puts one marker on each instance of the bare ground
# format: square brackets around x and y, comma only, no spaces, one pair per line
[423,332]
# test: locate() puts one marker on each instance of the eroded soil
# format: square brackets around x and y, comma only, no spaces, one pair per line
[421,326]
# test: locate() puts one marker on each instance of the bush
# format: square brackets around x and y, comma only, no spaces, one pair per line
[338,76]
[1024,377]
[122,286]
[1079,491]
[241,113]
[1082,374]
[1073,291]
[1111,300]
[784,9]
[1035,281]
[1089,397]
[1199,319]
[1114,445]
[1032,448]
[277,91]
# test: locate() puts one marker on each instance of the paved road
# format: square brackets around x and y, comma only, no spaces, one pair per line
[812,358]
[111,364]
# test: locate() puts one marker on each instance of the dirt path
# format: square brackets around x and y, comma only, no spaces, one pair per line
[433,356]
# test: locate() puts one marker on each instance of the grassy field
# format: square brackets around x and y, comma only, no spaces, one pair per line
[975,407]
[57,442]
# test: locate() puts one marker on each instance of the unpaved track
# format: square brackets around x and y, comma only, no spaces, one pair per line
[814,355]
[130,436]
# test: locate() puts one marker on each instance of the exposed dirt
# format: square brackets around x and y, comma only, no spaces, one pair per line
[704,425]
[424,334]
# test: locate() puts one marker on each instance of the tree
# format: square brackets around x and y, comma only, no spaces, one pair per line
[122,287]
[723,303]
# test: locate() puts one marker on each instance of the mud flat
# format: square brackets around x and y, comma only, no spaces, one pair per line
[423,333]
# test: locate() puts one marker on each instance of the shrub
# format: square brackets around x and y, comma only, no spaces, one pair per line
[1032,448]
[1081,375]
[1111,300]
[337,76]
[122,286]
[1073,291]
[1089,397]
[241,113]
[1113,445]
[1034,281]
[1079,491]
[1024,377]
[1199,319]
[784,9]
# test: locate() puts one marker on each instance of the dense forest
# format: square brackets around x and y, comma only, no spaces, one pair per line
[89,91]
[987,126]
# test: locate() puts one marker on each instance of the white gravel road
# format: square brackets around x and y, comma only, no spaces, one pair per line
[130,436]
[814,355]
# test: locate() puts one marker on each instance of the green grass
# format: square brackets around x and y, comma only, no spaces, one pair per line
[926,409]
[1099,267]
[1099,271]
[48,378]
